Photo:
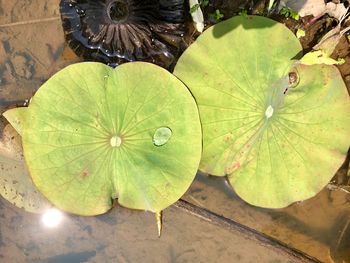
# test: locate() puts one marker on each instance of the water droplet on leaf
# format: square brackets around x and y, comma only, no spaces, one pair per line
[162,136]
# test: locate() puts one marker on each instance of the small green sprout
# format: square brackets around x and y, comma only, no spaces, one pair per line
[202,3]
[287,12]
[243,13]
[217,15]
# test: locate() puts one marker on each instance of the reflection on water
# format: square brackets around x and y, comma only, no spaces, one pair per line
[31,50]
[52,218]
[318,227]
[124,235]
[27,59]
[96,30]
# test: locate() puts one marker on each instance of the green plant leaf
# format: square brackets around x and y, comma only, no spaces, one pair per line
[319,57]
[88,138]
[16,185]
[278,129]
[300,33]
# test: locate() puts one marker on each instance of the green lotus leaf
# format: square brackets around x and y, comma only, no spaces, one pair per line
[88,138]
[279,129]
[16,185]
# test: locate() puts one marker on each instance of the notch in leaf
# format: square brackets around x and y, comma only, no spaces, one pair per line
[88,138]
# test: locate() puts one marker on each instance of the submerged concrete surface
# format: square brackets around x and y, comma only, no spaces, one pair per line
[32,48]
[320,226]
[124,235]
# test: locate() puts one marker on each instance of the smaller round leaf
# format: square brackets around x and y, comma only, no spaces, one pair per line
[278,129]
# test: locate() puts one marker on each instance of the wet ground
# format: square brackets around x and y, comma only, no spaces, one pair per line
[210,223]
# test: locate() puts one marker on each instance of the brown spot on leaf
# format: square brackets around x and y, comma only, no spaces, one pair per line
[234,166]
[85,173]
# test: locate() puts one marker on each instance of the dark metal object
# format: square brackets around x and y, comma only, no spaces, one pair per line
[118,31]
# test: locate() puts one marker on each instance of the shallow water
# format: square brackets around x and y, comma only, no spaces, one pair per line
[32,48]
[318,226]
[124,235]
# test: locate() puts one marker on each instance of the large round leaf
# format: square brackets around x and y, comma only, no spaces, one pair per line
[89,138]
[278,129]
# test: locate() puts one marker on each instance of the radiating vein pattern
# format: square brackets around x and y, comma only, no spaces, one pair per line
[89,138]
[278,129]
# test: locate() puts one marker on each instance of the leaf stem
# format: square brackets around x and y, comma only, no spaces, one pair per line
[159,222]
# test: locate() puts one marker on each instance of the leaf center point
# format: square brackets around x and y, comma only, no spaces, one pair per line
[115,141]
[269,112]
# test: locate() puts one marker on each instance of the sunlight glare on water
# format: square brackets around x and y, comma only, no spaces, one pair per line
[52,218]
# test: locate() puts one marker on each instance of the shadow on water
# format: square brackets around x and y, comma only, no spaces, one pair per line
[185,238]
[72,257]
[319,226]
[24,68]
